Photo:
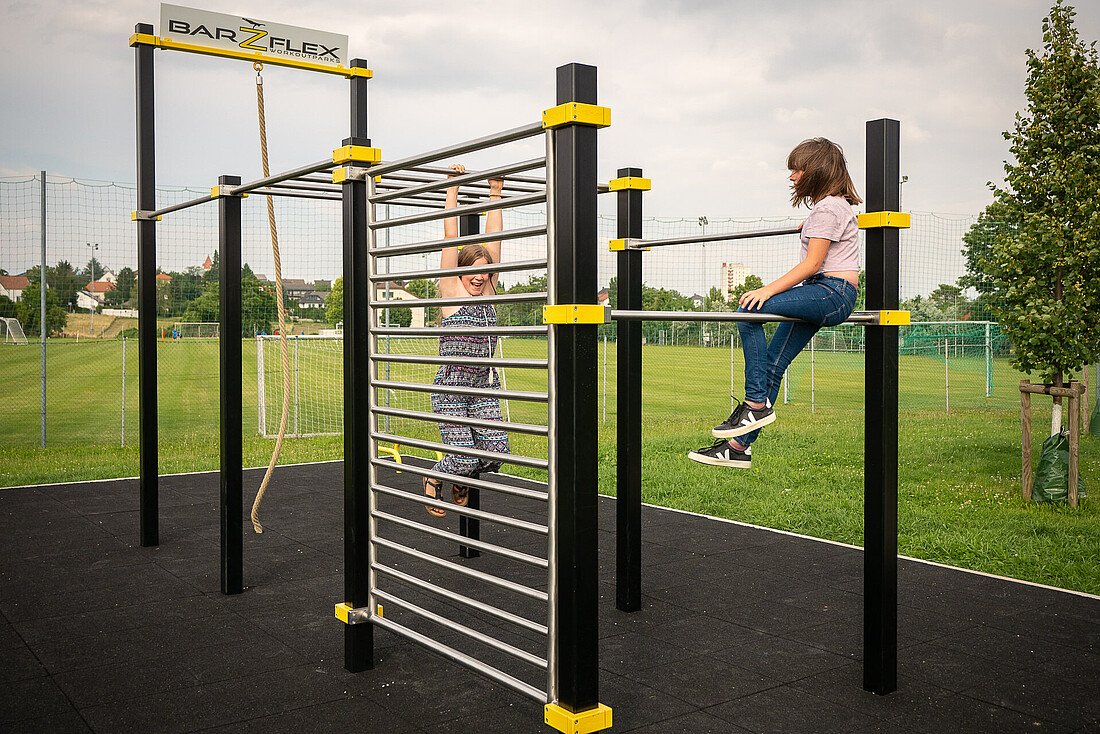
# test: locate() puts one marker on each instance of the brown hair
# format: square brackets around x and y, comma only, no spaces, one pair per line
[470,254]
[824,172]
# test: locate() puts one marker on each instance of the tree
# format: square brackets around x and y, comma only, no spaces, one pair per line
[124,284]
[215,267]
[751,283]
[334,306]
[425,289]
[30,310]
[94,270]
[1044,265]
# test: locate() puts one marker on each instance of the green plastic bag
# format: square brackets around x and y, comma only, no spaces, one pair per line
[1052,474]
[1094,420]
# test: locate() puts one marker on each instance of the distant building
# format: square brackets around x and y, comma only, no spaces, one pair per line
[88,301]
[733,275]
[603,297]
[697,301]
[312,300]
[13,286]
[399,293]
[206,266]
[99,287]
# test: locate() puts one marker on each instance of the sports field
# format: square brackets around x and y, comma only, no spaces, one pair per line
[959,470]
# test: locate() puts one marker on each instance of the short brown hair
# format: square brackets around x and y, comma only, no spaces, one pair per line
[824,172]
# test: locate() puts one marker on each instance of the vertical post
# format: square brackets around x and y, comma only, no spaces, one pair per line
[42,308]
[880,592]
[574,656]
[358,638]
[1074,440]
[232,412]
[1025,440]
[124,391]
[988,360]
[628,503]
[147,295]
[469,527]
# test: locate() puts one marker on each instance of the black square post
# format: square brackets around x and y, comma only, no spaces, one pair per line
[229,344]
[148,521]
[469,527]
[628,503]
[358,638]
[880,545]
[574,674]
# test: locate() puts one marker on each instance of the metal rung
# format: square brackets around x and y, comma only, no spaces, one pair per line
[463,630]
[463,301]
[534,397]
[531,494]
[462,659]
[468,270]
[480,545]
[488,578]
[531,364]
[467,511]
[640,244]
[454,596]
[417,415]
[415,248]
[488,141]
[466,178]
[458,211]
[857,317]
[410,331]
[446,448]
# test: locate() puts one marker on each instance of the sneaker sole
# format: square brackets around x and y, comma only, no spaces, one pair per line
[741,430]
[733,463]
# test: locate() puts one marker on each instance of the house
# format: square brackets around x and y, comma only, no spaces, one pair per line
[109,276]
[312,300]
[697,301]
[88,301]
[603,297]
[99,287]
[206,266]
[13,286]
[399,293]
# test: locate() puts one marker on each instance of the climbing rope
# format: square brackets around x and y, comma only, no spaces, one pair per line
[279,302]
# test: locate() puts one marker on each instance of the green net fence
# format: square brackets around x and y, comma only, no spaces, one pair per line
[952,357]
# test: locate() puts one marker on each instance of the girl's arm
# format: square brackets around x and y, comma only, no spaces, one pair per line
[448,257]
[494,222]
[815,256]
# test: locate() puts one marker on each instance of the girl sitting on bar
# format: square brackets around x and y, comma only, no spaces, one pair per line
[819,291]
[470,315]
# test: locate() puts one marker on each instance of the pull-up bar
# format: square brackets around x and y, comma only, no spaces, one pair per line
[863,318]
[632,243]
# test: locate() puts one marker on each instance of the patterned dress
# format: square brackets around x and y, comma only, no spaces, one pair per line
[483,407]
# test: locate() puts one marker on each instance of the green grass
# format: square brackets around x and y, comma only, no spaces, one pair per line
[959,471]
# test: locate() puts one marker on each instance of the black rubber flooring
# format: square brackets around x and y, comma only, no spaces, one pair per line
[743,629]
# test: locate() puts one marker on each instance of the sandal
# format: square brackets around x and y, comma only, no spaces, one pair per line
[436,493]
[460,494]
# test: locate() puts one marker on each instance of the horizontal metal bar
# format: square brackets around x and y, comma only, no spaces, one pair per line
[515,183]
[463,301]
[473,573]
[433,245]
[416,415]
[480,545]
[413,331]
[454,596]
[421,499]
[462,659]
[462,629]
[458,272]
[533,397]
[458,211]
[857,317]
[639,244]
[529,364]
[531,494]
[469,177]
[443,170]
[325,165]
[298,194]
[176,207]
[488,141]
[446,448]
[331,188]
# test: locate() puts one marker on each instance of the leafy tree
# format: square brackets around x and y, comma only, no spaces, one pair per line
[258,308]
[425,289]
[334,306]
[30,310]
[751,283]
[523,314]
[948,299]
[246,273]
[401,317]
[979,246]
[9,309]
[211,275]
[124,284]
[93,270]
[1044,266]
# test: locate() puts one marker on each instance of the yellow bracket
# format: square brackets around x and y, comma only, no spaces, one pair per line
[134,216]
[871,220]
[356,154]
[619,245]
[147,39]
[630,182]
[216,193]
[576,313]
[893,318]
[348,614]
[576,113]
[585,722]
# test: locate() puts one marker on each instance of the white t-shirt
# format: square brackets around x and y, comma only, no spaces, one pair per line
[832,219]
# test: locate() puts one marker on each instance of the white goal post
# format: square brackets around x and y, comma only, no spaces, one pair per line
[13,332]
[195,330]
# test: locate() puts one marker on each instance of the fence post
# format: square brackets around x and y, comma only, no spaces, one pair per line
[229,349]
[42,307]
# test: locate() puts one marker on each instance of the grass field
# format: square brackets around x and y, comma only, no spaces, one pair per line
[959,471]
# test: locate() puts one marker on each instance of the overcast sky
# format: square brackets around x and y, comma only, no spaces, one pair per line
[706,97]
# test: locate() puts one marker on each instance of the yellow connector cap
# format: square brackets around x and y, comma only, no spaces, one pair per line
[596,719]
[576,113]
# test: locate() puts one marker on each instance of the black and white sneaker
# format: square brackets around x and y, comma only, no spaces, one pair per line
[744,419]
[722,454]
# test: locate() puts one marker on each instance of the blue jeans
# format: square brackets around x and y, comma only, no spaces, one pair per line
[818,301]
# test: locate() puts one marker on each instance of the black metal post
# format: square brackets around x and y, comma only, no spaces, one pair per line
[147,296]
[358,638]
[575,667]
[880,545]
[628,504]
[469,527]
[232,413]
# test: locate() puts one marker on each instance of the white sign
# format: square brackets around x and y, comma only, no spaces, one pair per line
[238,34]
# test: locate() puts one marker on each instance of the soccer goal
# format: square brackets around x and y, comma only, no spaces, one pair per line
[13,332]
[195,330]
[316,406]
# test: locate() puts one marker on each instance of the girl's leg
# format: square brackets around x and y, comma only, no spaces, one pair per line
[454,434]
[755,347]
[488,439]
[789,340]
